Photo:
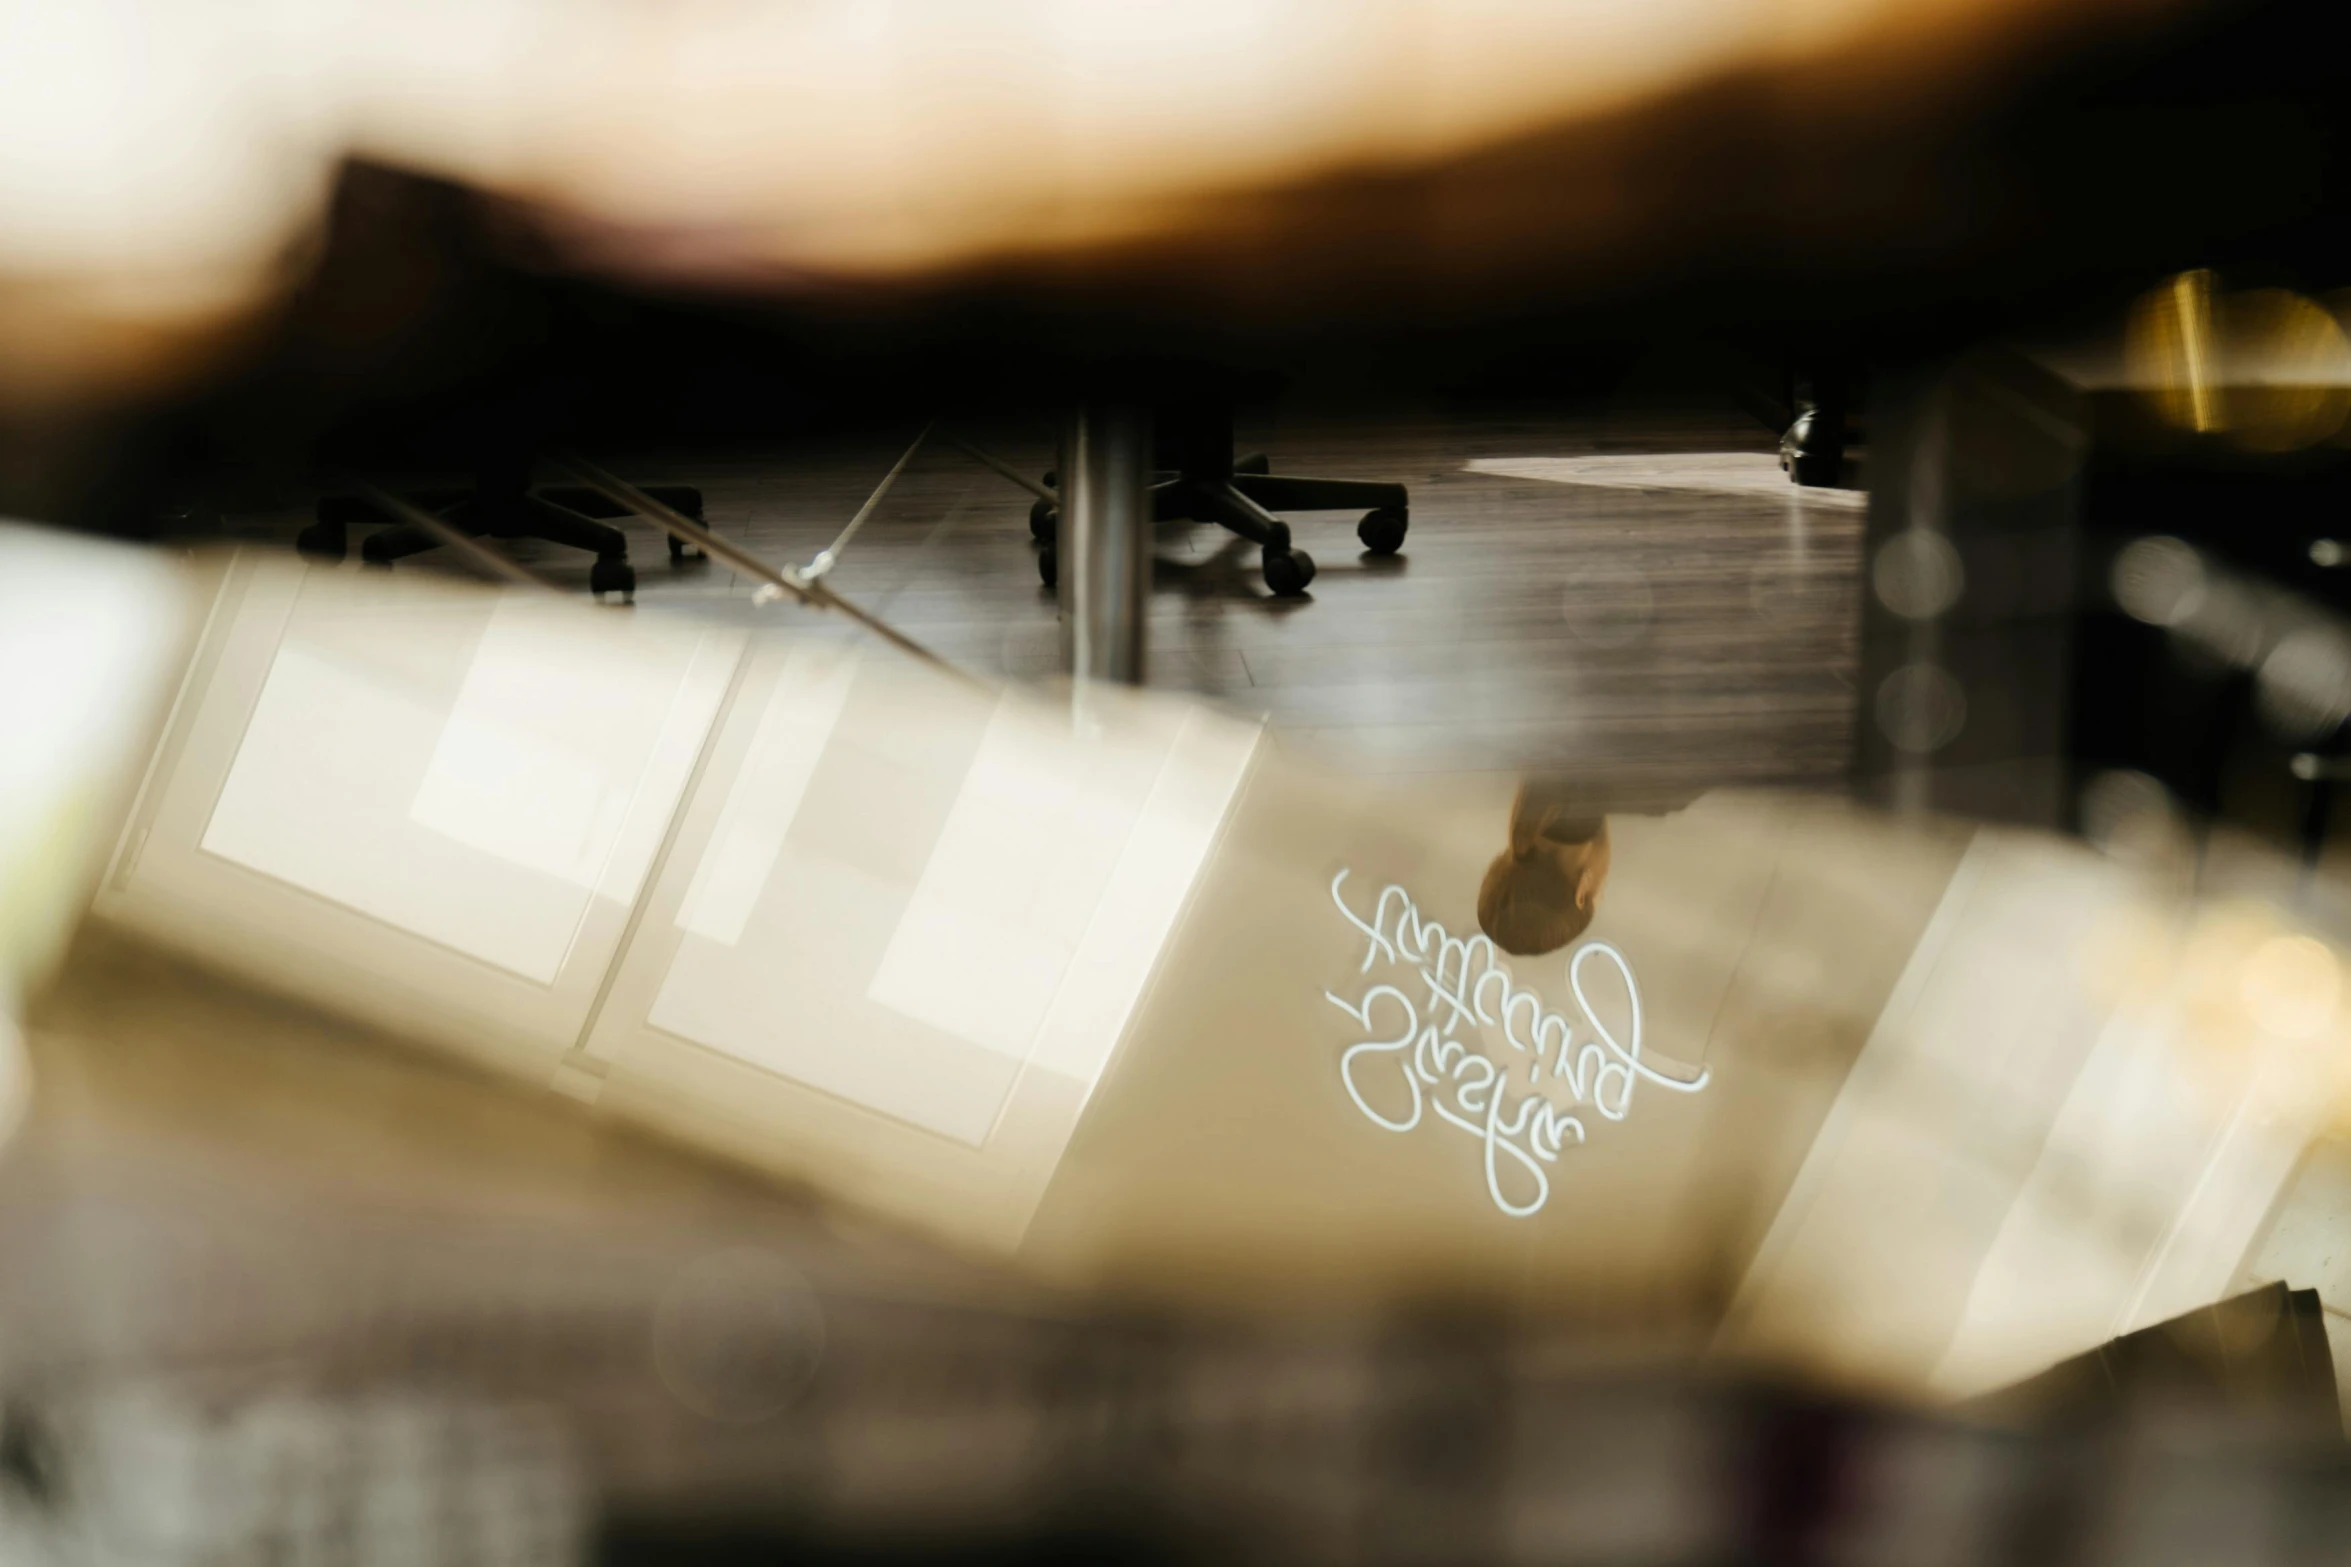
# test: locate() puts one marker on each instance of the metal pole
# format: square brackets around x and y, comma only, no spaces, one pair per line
[830,555]
[781,582]
[1105,540]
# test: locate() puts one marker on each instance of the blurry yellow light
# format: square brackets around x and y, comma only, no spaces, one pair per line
[2289,364]
[2168,348]
[2266,366]
[2291,985]
[164,163]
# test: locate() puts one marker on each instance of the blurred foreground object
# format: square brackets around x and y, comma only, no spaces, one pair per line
[162,167]
[88,633]
[2265,367]
[2106,581]
[1279,1219]
[1117,991]
[188,1470]
[958,1434]
[674,870]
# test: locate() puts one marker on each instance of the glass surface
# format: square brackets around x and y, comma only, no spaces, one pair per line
[476,774]
[910,899]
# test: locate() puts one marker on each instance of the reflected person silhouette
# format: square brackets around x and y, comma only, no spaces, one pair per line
[1542,890]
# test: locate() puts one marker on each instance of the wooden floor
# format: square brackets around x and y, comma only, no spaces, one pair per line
[1641,602]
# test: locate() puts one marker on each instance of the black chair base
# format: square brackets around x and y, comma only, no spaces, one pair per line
[569,515]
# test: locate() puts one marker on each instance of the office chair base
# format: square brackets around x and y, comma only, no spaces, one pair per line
[683,499]
[1251,463]
[1202,481]
[561,514]
[1287,572]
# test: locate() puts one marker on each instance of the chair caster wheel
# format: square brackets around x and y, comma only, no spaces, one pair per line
[1044,521]
[1052,478]
[324,541]
[685,500]
[1288,571]
[1382,531]
[613,576]
[1255,462]
[1049,566]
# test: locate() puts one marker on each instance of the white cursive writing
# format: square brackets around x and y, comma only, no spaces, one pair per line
[1428,1070]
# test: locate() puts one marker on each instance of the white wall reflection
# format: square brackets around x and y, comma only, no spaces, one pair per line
[910,899]
[2068,1124]
[476,774]
[1018,874]
[791,738]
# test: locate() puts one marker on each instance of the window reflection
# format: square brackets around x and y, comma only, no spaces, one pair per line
[909,899]
[476,775]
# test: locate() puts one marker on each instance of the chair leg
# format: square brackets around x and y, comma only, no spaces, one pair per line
[1221,502]
[683,498]
[1181,500]
[1280,492]
[387,545]
[559,525]
[1287,570]
[402,540]
[579,498]
[603,508]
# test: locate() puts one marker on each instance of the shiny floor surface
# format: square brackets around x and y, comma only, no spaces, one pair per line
[1640,603]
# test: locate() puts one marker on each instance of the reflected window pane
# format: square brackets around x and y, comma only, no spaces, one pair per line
[476,776]
[910,899]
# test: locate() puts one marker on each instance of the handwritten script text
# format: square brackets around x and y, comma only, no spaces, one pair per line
[1412,1063]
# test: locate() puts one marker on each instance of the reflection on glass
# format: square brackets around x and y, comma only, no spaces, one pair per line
[799,719]
[476,777]
[2068,1124]
[910,900]
[1722,473]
